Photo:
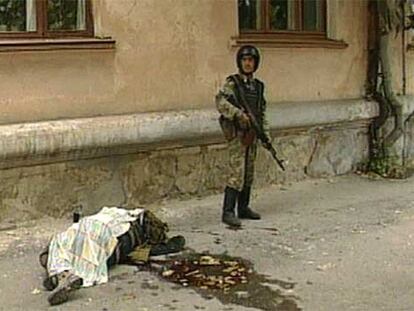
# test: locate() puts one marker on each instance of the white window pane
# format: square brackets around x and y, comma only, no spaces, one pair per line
[30,15]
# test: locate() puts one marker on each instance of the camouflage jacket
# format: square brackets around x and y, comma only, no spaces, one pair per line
[226,102]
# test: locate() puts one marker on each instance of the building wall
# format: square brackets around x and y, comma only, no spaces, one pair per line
[173,55]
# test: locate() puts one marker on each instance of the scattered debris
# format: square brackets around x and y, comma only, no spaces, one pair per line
[168,273]
[213,233]
[36,291]
[357,230]
[206,272]
[242,294]
[274,231]
[325,267]
[229,279]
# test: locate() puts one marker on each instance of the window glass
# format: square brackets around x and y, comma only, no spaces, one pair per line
[312,15]
[250,14]
[282,15]
[66,15]
[273,16]
[13,16]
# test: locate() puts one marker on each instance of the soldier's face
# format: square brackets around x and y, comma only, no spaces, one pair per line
[247,63]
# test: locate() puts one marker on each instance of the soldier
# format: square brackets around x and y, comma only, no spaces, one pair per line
[241,138]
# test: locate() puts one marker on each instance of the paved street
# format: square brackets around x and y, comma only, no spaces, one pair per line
[346,243]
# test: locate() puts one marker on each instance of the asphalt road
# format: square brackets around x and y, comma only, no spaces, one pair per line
[344,244]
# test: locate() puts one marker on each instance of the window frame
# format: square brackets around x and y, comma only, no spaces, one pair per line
[41,26]
[267,32]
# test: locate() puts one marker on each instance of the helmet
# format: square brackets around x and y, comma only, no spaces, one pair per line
[248,50]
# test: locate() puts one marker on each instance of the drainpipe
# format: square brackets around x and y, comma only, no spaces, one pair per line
[404,49]
[404,76]
[389,92]
[404,151]
[384,41]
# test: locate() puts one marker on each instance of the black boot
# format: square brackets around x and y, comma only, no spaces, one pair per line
[243,208]
[67,284]
[229,205]
[172,245]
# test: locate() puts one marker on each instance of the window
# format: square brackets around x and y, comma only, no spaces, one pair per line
[282,17]
[45,18]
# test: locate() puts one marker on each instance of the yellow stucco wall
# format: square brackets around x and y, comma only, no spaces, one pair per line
[173,54]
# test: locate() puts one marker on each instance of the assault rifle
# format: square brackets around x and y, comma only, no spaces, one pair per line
[256,126]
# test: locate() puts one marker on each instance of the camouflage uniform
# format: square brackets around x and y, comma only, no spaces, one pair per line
[241,157]
[241,152]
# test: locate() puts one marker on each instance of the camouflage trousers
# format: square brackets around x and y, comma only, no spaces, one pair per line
[241,164]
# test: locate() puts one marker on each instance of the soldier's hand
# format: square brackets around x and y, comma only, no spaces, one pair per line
[244,121]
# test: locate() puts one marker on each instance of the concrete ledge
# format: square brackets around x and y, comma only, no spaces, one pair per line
[308,114]
[74,139]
